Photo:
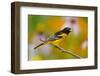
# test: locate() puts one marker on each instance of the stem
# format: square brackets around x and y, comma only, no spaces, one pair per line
[65,51]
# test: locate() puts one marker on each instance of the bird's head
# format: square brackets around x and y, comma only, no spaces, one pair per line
[67,30]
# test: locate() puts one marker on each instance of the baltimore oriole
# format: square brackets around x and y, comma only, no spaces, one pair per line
[56,37]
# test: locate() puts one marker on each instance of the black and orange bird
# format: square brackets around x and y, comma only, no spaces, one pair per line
[56,37]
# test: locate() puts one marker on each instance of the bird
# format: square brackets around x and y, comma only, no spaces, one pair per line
[56,37]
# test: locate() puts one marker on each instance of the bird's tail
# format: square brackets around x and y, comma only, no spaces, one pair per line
[39,45]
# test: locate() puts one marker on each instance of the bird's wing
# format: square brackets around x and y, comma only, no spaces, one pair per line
[54,37]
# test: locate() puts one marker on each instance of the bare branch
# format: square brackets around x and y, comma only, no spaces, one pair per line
[66,51]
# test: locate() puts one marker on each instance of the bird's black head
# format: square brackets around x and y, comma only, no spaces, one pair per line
[67,30]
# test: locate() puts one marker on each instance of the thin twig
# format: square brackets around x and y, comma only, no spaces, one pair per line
[66,51]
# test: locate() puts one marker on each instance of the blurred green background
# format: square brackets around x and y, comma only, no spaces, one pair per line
[76,41]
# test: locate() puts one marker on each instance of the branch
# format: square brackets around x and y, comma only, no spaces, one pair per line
[65,51]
